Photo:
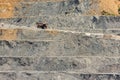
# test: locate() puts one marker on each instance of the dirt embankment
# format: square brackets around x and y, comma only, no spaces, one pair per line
[8,34]
[110,7]
[7,8]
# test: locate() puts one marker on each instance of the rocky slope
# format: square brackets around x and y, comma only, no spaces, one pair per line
[81,42]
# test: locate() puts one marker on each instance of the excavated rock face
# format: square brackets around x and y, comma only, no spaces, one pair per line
[59,40]
[12,8]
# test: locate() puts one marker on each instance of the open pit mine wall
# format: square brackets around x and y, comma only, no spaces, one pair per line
[81,42]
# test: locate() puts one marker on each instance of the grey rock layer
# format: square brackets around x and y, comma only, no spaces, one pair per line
[67,22]
[22,48]
[56,76]
[8,76]
[65,44]
[55,8]
[67,76]
[61,64]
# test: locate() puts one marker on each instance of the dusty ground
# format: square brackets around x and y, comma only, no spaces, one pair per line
[6,10]
[110,6]
[8,34]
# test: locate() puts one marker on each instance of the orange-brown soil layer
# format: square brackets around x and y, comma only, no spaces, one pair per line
[110,6]
[8,34]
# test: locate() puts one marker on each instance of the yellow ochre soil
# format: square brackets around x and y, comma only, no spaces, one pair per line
[8,34]
[110,6]
[6,10]
[52,32]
